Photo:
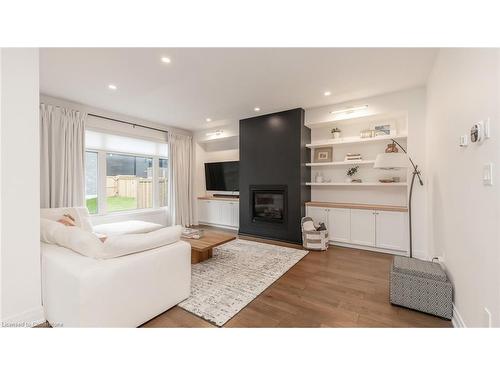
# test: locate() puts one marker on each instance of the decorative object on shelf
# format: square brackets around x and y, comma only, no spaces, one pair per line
[336,133]
[387,180]
[386,129]
[319,177]
[323,155]
[394,160]
[391,147]
[352,156]
[356,180]
[351,172]
[367,133]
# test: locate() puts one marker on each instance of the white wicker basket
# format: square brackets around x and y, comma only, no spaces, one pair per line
[314,239]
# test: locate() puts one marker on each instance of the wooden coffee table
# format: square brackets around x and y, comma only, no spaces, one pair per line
[202,249]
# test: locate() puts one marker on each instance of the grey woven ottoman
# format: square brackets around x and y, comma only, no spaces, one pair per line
[422,286]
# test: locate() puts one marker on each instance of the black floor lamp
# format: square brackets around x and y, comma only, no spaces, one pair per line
[395,160]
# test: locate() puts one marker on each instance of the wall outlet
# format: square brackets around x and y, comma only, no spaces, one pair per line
[487,317]
[488,174]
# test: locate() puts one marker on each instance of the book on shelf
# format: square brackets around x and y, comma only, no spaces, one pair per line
[351,158]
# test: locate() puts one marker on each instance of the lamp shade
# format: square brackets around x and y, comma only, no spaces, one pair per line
[391,160]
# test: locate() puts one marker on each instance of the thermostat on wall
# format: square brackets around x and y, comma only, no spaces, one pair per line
[476,132]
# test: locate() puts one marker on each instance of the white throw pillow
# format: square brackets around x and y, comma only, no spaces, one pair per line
[125,244]
[74,238]
[80,214]
[47,230]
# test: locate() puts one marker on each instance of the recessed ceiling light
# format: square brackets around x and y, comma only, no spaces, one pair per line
[112,87]
[208,119]
[327,93]
[256,109]
[166,60]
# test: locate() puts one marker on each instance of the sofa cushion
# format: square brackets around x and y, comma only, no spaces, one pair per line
[80,214]
[126,227]
[119,245]
[88,244]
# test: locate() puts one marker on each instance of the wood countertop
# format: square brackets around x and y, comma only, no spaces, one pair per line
[219,199]
[358,206]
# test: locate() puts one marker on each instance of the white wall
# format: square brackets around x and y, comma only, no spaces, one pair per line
[226,148]
[20,187]
[410,104]
[463,213]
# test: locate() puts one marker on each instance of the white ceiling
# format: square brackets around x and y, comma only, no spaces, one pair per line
[225,84]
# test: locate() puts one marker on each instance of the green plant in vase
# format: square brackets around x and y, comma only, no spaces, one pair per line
[335,132]
[350,174]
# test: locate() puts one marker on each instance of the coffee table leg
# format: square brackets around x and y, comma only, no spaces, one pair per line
[200,256]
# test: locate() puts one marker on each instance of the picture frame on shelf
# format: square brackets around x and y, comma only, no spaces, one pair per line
[323,155]
[384,129]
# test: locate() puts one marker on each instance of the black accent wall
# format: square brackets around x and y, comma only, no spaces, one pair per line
[273,152]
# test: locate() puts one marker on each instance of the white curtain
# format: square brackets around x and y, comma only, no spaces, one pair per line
[181,178]
[62,157]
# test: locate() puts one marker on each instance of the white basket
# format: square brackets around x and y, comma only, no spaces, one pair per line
[314,239]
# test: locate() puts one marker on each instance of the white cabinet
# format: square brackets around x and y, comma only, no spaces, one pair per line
[218,212]
[225,213]
[339,225]
[203,210]
[377,229]
[392,230]
[235,214]
[363,227]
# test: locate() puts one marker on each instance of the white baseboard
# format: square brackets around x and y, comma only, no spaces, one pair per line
[369,248]
[457,320]
[26,319]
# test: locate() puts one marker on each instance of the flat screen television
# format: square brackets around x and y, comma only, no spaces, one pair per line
[222,176]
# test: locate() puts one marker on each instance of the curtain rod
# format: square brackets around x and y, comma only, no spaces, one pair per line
[127,122]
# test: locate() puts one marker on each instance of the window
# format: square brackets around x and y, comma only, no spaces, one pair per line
[124,173]
[163,182]
[91,181]
[129,182]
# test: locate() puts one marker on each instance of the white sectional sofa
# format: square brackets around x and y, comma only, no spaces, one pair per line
[124,291]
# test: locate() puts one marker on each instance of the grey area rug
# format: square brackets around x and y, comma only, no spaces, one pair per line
[238,272]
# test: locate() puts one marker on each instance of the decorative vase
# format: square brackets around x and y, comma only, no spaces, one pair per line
[336,135]
[348,180]
[391,147]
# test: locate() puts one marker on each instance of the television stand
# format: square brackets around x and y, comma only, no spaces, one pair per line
[225,196]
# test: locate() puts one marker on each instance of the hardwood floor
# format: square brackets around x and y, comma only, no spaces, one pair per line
[340,287]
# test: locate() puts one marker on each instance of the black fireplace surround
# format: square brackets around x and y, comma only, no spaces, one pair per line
[273,175]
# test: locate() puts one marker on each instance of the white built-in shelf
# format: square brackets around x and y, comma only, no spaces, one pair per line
[341,163]
[352,140]
[356,184]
